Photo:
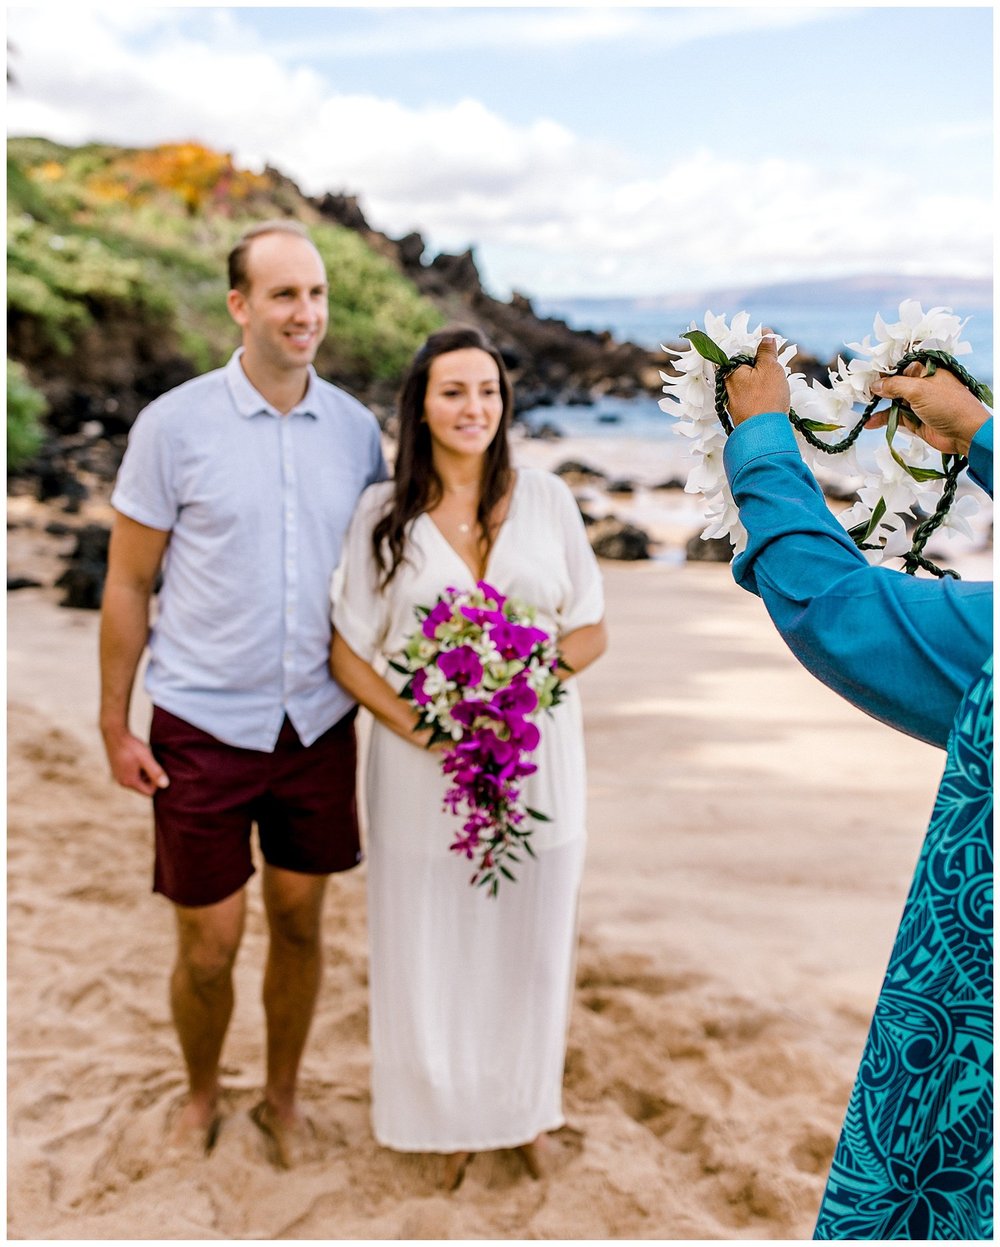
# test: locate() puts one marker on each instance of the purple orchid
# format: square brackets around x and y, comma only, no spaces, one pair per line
[441,613]
[516,640]
[417,691]
[518,699]
[482,616]
[461,665]
[491,594]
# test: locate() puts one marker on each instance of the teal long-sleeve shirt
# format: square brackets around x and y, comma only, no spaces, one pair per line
[902,649]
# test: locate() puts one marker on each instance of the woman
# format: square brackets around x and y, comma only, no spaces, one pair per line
[470,995]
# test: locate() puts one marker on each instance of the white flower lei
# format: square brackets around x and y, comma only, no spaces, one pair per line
[905,473]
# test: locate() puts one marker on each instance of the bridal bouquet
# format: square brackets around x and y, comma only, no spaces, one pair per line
[907,473]
[480,674]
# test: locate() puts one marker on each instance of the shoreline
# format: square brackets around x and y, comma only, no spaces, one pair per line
[671,517]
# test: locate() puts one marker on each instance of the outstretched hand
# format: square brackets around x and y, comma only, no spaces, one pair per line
[762,387]
[943,411]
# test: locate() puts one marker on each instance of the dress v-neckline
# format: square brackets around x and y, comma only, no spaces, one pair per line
[496,541]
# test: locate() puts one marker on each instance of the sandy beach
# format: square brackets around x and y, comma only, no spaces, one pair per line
[751,843]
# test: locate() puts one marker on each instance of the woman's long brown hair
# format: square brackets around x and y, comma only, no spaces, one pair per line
[416,485]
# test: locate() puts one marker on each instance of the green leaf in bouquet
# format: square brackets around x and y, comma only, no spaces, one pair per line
[924,474]
[507,875]
[531,851]
[398,666]
[706,348]
[537,815]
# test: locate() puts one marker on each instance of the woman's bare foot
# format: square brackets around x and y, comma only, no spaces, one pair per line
[455,1166]
[536,1156]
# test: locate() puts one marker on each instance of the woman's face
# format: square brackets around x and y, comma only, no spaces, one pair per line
[463,404]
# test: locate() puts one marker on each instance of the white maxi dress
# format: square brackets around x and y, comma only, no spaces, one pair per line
[470,994]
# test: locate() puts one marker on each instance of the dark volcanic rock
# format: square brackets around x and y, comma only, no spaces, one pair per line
[573,467]
[344,209]
[548,361]
[121,362]
[55,477]
[546,432]
[611,538]
[714,550]
[83,580]
[838,492]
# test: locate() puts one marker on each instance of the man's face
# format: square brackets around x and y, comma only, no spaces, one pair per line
[283,312]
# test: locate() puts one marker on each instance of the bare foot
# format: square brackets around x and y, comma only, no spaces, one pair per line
[290,1138]
[193,1128]
[454,1169]
[536,1156]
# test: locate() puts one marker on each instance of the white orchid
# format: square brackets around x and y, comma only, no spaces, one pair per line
[937,329]
[956,522]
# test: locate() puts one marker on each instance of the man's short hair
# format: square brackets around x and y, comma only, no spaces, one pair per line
[239,275]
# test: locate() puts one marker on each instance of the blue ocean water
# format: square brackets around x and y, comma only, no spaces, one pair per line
[823,330]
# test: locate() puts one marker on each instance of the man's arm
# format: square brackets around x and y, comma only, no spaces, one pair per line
[134,557]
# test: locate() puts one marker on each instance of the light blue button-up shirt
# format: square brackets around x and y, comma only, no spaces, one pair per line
[257,504]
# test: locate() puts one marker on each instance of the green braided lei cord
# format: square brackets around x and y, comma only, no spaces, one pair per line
[953,464]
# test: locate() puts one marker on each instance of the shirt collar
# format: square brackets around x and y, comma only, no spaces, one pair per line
[250,402]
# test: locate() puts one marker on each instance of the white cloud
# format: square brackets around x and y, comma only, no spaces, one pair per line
[550,212]
[387,33]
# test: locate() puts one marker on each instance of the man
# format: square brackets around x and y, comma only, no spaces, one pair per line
[915,1156]
[241,483]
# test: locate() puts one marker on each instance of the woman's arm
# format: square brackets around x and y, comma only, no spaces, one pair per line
[579,648]
[366,686]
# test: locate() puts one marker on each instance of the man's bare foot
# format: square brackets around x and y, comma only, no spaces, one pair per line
[536,1156]
[193,1127]
[289,1137]
[455,1166]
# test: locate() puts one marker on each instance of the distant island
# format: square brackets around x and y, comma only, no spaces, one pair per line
[971,293]
[820,314]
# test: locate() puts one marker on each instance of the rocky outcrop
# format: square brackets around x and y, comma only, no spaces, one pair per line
[83,579]
[713,550]
[612,538]
[121,362]
[549,362]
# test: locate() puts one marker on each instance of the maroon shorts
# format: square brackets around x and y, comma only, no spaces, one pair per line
[302,799]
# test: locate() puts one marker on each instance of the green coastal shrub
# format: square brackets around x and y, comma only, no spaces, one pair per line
[95,226]
[377,317]
[60,278]
[25,408]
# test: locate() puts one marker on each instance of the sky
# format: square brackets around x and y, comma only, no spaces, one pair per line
[580,151]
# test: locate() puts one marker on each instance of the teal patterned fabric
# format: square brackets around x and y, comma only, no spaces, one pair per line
[915,1156]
